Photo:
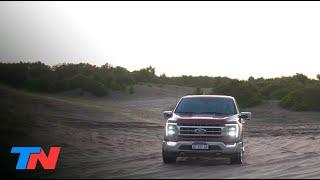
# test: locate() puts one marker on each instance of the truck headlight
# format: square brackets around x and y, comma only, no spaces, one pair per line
[233,130]
[171,129]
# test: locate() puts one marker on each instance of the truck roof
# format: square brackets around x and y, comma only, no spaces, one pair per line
[208,96]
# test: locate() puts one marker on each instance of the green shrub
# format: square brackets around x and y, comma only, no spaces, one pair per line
[38,84]
[296,92]
[246,93]
[94,87]
[279,93]
[303,99]
[198,91]
[131,90]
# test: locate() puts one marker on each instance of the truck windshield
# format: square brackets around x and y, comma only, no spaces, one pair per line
[216,106]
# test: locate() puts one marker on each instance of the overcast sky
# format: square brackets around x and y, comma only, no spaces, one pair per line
[234,39]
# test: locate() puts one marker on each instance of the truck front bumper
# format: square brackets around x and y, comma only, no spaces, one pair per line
[184,148]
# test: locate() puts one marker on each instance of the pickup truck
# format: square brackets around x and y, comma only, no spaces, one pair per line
[204,125]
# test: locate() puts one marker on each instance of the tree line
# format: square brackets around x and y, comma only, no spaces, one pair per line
[296,92]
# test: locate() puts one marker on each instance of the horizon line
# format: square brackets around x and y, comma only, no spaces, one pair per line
[157,74]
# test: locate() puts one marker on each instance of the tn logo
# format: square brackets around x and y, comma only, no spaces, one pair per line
[29,156]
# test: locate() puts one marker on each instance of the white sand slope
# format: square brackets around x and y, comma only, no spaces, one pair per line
[121,138]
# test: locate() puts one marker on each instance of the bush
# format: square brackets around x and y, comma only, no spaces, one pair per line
[279,93]
[296,92]
[198,91]
[247,94]
[96,88]
[38,84]
[303,99]
[131,90]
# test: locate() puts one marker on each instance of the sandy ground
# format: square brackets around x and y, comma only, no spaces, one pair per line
[120,137]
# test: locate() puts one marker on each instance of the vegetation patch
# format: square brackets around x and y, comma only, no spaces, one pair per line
[296,92]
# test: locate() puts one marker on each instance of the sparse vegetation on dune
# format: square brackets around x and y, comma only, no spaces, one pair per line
[246,93]
[296,92]
[303,99]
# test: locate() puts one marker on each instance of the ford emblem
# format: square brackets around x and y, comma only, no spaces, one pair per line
[200,131]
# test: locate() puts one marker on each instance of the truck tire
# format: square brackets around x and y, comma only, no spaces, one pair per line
[237,158]
[168,159]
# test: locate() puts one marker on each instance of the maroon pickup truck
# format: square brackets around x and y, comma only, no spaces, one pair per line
[204,125]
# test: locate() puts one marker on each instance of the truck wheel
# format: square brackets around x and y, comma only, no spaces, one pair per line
[237,158]
[167,159]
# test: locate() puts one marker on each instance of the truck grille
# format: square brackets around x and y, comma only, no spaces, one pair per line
[200,124]
[211,147]
[199,138]
[200,131]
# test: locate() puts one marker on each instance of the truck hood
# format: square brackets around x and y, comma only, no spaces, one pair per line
[203,120]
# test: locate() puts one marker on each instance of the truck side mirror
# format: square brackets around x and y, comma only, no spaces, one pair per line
[167,114]
[245,115]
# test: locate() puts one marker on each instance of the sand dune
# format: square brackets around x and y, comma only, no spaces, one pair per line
[121,138]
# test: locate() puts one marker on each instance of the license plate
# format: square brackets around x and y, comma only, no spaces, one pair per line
[200,145]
